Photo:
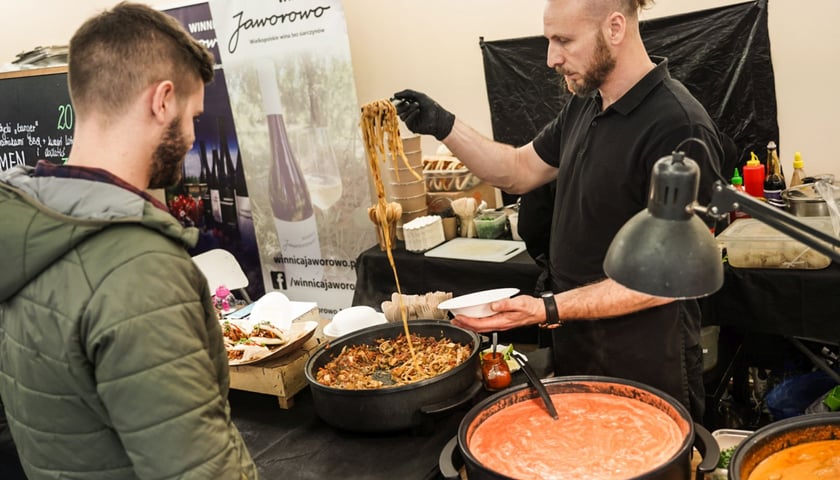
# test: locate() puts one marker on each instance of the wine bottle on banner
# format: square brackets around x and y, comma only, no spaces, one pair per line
[226,193]
[291,204]
[215,203]
[322,173]
[243,207]
[204,181]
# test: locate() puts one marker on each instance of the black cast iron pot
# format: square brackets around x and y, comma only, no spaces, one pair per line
[780,435]
[678,467]
[400,407]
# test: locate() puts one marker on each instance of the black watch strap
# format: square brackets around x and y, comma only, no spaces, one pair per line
[552,317]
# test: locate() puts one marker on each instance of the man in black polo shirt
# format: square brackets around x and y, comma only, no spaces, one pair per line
[627,112]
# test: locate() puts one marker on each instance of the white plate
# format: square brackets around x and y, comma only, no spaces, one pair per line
[477,304]
[332,332]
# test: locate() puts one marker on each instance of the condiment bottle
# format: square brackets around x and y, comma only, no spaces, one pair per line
[738,183]
[495,371]
[754,177]
[774,182]
[798,171]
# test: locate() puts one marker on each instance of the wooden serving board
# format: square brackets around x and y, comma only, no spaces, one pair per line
[281,376]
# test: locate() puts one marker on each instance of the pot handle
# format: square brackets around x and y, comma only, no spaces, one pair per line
[446,462]
[709,449]
[453,402]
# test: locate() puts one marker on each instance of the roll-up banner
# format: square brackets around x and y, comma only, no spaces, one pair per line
[280,137]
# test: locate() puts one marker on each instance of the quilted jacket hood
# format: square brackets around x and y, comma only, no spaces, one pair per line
[45,217]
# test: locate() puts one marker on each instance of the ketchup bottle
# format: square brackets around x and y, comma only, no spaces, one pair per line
[754,177]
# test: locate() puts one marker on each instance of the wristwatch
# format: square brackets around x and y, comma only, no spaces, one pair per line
[552,318]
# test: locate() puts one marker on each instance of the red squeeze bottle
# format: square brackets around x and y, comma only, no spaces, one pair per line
[754,177]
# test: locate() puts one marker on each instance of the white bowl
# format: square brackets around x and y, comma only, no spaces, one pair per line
[351,319]
[477,304]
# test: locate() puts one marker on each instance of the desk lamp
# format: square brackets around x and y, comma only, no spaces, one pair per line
[667,251]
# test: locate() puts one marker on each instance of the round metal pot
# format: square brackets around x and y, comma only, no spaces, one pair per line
[678,467]
[400,407]
[805,201]
[780,435]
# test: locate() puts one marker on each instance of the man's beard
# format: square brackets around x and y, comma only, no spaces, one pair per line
[602,64]
[169,157]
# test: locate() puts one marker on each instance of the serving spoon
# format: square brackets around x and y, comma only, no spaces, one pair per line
[535,382]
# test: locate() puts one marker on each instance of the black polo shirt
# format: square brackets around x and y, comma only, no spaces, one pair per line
[604,161]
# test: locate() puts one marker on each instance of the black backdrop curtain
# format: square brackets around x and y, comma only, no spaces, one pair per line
[722,56]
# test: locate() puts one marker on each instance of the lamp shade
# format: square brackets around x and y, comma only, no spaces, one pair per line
[666,250]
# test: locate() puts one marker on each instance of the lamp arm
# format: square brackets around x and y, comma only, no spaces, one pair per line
[726,199]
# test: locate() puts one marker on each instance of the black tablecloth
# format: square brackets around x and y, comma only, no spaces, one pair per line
[420,274]
[789,303]
[296,444]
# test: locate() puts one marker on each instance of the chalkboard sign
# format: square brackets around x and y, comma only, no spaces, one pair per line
[36,118]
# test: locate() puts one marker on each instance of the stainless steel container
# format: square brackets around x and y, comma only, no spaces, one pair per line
[805,201]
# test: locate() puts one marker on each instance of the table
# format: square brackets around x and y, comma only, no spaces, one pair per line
[295,443]
[421,274]
[785,302]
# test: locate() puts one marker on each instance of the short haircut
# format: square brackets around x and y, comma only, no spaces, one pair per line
[118,53]
[630,8]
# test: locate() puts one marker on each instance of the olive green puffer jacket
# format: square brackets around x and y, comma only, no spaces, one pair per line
[112,364]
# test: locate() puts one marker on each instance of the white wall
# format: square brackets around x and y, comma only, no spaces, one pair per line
[432,45]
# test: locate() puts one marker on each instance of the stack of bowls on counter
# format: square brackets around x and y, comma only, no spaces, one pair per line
[403,187]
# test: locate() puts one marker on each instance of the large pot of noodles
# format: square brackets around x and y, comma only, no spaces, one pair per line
[607,428]
[798,448]
[370,380]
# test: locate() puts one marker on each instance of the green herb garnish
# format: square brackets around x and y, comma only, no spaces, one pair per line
[726,456]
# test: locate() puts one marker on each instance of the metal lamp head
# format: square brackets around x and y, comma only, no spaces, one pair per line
[666,250]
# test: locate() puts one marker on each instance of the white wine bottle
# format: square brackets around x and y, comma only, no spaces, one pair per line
[291,204]
[244,217]
[204,181]
[215,201]
[226,187]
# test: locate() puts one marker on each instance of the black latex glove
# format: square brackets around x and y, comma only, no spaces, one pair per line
[423,115]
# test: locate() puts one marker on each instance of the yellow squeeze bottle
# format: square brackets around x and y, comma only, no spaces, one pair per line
[798,171]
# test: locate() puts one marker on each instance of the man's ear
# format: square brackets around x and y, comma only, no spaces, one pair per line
[163,101]
[616,28]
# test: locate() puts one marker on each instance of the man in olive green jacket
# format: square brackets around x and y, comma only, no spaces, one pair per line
[112,364]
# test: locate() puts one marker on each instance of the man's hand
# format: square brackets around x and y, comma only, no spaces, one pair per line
[423,115]
[510,313]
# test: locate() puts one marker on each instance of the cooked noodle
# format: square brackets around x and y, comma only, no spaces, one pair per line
[356,367]
[380,130]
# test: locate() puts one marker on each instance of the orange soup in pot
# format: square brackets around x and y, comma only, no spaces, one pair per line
[806,461]
[598,436]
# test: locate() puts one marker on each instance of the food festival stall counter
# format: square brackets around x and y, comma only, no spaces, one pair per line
[296,443]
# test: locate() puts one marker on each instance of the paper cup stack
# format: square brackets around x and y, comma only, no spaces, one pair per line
[406,189]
